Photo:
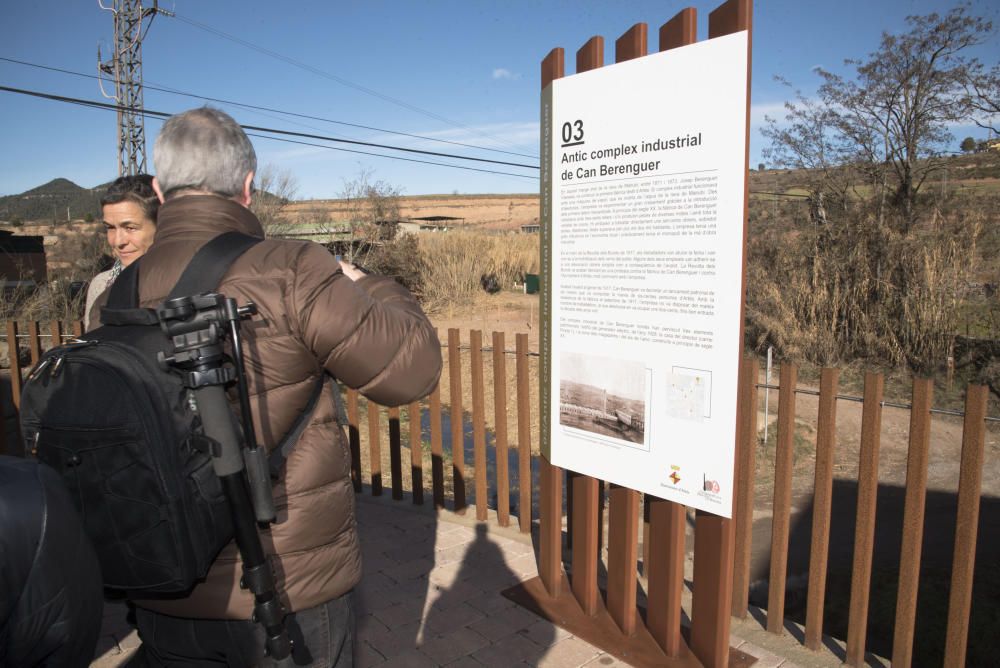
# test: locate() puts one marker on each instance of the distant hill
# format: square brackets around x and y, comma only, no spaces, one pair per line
[48,203]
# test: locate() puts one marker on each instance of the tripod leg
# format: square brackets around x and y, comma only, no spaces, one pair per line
[216,419]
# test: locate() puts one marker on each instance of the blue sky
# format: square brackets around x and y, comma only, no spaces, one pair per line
[464,71]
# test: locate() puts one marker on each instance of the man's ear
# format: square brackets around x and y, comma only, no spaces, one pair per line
[247,196]
[157,190]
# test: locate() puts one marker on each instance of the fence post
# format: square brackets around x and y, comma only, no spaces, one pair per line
[15,363]
[550,495]
[374,447]
[864,532]
[34,342]
[457,435]
[584,507]
[524,483]
[623,548]
[744,491]
[713,594]
[780,520]
[437,449]
[623,503]
[416,454]
[55,328]
[500,431]
[665,572]
[354,438]
[826,437]
[395,454]
[550,528]
[967,526]
[479,423]
[913,521]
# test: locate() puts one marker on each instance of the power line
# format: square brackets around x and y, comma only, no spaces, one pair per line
[380,155]
[173,91]
[331,77]
[163,115]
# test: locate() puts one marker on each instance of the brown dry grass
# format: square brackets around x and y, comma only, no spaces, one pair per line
[454,264]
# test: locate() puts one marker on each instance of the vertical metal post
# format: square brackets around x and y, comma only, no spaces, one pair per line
[374,447]
[437,448]
[13,354]
[500,430]
[416,454]
[864,532]
[967,526]
[395,455]
[457,435]
[745,477]
[550,515]
[478,423]
[713,564]
[354,439]
[781,518]
[524,483]
[913,522]
[826,436]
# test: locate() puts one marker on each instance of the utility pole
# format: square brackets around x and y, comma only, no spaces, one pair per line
[125,66]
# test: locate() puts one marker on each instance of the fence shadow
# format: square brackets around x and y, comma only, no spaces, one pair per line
[935,572]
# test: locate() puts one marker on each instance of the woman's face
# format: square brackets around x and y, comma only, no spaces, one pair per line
[130,232]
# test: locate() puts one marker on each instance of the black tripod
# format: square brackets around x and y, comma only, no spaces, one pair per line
[198,327]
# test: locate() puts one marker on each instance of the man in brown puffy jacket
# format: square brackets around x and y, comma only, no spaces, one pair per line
[316,316]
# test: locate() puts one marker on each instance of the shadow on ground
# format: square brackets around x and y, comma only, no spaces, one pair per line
[935,572]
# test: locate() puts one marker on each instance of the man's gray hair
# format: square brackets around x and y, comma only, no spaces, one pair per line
[203,149]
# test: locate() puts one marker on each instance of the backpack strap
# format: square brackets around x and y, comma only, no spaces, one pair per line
[203,274]
[211,262]
[124,290]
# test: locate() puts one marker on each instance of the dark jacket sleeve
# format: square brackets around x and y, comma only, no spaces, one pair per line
[371,334]
[51,593]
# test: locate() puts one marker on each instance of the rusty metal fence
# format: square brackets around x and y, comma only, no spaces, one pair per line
[664,526]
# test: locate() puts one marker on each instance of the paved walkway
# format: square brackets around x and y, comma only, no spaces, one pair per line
[430,596]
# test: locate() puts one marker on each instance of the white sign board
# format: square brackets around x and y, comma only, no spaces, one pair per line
[645,258]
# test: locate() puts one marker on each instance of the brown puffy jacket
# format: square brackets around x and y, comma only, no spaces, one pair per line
[370,334]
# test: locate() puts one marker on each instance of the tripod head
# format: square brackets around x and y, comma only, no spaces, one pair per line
[198,326]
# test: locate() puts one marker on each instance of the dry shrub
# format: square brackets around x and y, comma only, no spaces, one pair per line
[857,289]
[934,280]
[455,263]
[401,259]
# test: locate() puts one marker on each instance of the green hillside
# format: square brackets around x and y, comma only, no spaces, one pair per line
[49,202]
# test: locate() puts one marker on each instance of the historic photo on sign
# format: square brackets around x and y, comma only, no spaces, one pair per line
[604,396]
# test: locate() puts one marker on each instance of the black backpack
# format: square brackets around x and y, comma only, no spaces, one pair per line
[123,434]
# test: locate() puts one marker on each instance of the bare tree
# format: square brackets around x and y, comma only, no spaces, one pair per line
[808,139]
[373,212]
[275,189]
[891,118]
[983,91]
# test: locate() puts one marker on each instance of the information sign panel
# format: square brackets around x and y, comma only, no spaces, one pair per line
[644,182]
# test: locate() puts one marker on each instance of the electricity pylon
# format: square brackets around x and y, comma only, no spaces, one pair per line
[126,68]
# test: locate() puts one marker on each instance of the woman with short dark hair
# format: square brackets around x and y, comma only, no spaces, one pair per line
[128,210]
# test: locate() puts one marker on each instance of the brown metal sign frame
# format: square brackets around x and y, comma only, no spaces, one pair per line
[612,622]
